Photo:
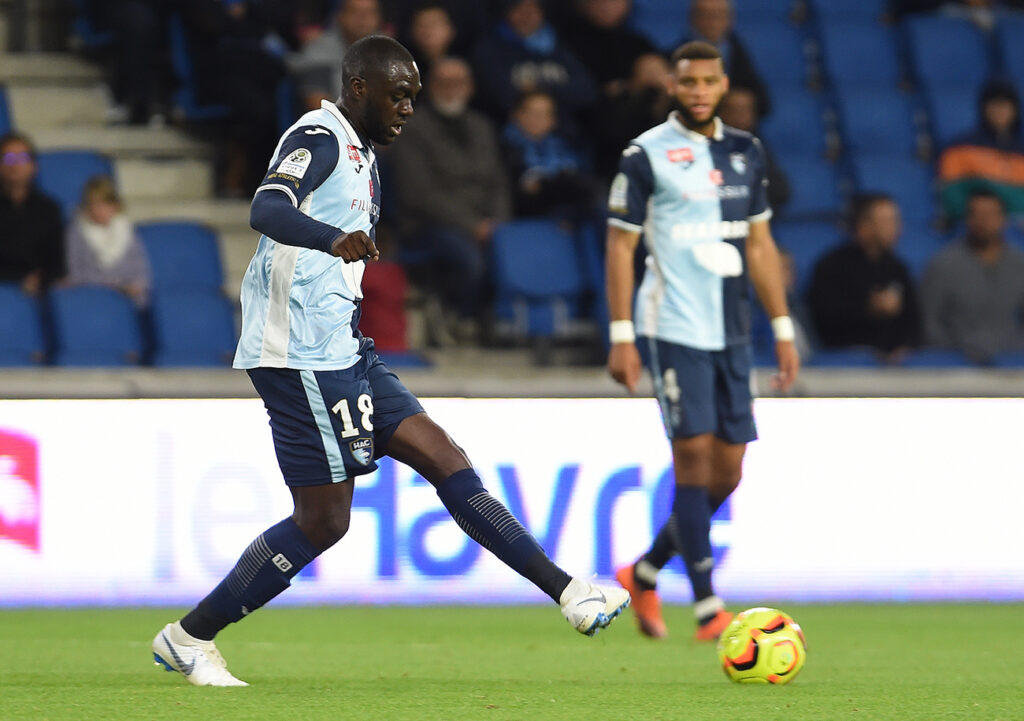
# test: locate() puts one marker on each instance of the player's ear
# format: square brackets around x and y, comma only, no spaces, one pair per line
[358,86]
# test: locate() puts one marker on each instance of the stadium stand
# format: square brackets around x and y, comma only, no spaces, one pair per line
[22,341]
[947,52]
[192,327]
[5,114]
[62,174]
[857,54]
[94,326]
[877,120]
[663,22]
[182,254]
[907,180]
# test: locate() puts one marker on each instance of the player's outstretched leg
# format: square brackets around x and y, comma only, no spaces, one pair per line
[587,608]
[264,570]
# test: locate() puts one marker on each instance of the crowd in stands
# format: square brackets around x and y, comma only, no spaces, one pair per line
[899,213]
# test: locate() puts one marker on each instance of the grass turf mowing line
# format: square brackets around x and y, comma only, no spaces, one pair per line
[903,662]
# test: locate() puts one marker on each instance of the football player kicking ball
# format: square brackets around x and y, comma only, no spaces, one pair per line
[697,190]
[334,406]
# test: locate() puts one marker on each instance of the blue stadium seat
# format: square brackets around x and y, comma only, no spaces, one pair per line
[947,52]
[806,242]
[5,116]
[192,327]
[663,22]
[917,246]
[908,181]
[935,358]
[877,120]
[62,174]
[779,56]
[952,112]
[185,95]
[21,333]
[1009,359]
[538,276]
[796,124]
[814,187]
[849,10]
[859,54]
[182,254]
[1009,31]
[95,326]
[845,358]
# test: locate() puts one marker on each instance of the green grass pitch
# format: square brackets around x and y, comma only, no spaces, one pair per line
[866,662]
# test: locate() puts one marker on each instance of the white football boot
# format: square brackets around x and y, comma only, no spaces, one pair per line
[198,661]
[589,608]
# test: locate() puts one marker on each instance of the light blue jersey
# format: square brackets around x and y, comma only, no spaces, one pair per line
[693,198]
[299,305]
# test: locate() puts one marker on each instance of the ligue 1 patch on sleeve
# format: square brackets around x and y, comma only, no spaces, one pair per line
[617,202]
[296,163]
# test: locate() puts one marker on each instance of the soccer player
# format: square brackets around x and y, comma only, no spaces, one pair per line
[334,406]
[697,191]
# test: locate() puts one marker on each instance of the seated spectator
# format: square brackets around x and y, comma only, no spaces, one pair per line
[524,53]
[712,22]
[644,102]
[739,109]
[31,230]
[451,190]
[991,156]
[547,174]
[317,66]
[600,38]
[102,245]
[431,34]
[861,293]
[973,290]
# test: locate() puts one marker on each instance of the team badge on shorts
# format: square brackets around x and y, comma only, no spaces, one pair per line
[362,450]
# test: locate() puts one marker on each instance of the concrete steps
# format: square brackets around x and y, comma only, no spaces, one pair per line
[59,70]
[167,180]
[42,106]
[122,141]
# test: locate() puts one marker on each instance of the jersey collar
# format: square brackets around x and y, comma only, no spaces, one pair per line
[677,124]
[353,136]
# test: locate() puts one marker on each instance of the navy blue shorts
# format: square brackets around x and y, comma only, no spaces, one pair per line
[702,391]
[329,426]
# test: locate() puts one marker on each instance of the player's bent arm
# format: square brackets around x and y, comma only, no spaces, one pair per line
[273,214]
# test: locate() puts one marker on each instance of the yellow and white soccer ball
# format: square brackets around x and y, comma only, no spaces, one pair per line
[762,645]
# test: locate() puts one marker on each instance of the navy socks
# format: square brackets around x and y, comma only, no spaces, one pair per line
[489,523]
[265,569]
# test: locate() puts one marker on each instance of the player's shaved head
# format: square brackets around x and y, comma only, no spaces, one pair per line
[373,55]
[380,82]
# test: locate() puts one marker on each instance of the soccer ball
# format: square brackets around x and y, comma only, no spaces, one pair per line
[762,645]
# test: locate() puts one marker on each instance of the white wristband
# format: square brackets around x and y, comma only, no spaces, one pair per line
[783,328]
[621,331]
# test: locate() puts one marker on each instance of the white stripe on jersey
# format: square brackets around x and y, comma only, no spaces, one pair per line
[274,353]
[283,188]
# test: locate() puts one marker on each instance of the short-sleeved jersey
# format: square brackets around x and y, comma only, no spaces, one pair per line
[693,198]
[300,306]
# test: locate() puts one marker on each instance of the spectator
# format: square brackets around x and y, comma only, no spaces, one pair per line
[317,66]
[973,290]
[102,245]
[431,34]
[547,173]
[739,109]
[524,53]
[861,293]
[644,102]
[451,191]
[140,73]
[712,21]
[991,156]
[31,230]
[607,47]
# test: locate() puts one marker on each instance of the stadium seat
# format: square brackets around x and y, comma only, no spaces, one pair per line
[952,112]
[1009,359]
[1009,31]
[908,181]
[5,115]
[62,174]
[779,56]
[663,22]
[935,358]
[192,327]
[806,243]
[917,246]
[947,52]
[182,254]
[877,120]
[859,54]
[845,358]
[796,124]
[849,10]
[814,187]
[22,342]
[185,96]
[538,276]
[95,326]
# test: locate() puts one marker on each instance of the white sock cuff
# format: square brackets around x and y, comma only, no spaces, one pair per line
[708,606]
[646,572]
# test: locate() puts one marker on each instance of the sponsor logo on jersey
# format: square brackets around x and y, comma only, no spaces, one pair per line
[720,229]
[680,155]
[722,192]
[365,206]
[296,163]
[738,161]
[362,450]
[617,202]
[355,157]
[716,176]
[20,499]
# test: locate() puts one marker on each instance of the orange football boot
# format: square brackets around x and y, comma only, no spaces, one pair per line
[646,604]
[711,630]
